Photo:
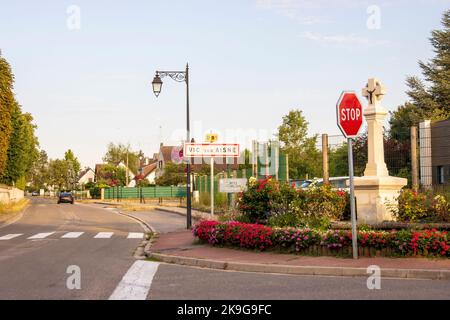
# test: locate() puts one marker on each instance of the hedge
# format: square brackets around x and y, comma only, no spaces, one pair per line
[332,242]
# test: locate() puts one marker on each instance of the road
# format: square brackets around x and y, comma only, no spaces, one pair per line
[37,268]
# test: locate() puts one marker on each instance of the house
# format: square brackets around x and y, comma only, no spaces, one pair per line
[164,156]
[440,152]
[85,176]
[148,172]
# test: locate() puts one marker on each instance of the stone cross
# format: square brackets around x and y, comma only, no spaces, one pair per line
[374,91]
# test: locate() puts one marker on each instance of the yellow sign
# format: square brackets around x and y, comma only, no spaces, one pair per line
[212,137]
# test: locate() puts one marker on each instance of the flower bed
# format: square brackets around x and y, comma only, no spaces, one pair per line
[332,242]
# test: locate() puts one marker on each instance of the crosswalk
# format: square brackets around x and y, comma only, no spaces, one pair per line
[69,235]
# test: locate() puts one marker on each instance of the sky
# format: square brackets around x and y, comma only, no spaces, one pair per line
[83,69]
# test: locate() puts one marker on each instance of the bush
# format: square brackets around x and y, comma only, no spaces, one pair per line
[280,204]
[420,207]
[256,236]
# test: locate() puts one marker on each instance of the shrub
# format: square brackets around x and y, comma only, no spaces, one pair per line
[417,207]
[280,204]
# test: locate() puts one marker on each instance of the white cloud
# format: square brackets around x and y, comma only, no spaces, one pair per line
[350,39]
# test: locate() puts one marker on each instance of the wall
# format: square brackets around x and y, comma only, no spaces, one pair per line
[10,194]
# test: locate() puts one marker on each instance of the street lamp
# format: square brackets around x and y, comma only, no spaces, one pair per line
[179,76]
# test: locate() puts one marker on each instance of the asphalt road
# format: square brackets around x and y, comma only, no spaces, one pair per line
[37,269]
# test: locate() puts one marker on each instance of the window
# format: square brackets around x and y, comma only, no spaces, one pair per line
[440,175]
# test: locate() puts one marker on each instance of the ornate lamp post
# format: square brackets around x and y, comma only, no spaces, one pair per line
[179,76]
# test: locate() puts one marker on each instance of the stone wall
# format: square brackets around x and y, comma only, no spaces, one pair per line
[10,194]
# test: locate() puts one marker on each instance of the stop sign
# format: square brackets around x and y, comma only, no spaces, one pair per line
[349,114]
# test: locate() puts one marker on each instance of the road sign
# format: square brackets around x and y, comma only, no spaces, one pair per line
[215,150]
[212,137]
[349,114]
[232,185]
[349,120]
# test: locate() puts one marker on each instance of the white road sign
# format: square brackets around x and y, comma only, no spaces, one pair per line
[232,185]
[215,150]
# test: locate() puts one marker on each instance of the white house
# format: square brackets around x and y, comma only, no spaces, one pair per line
[85,176]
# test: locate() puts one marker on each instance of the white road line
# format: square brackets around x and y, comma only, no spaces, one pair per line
[135,235]
[11,236]
[72,235]
[104,235]
[41,235]
[136,283]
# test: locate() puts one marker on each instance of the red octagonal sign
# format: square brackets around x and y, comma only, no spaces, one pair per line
[349,114]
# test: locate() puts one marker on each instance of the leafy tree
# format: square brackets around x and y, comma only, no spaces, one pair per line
[6,106]
[58,171]
[112,175]
[429,98]
[22,150]
[173,175]
[38,175]
[304,158]
[117,153]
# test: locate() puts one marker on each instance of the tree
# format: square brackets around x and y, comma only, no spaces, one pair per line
[22,149]
[39,173]
[112,175]
[173,175]
[429,99]
[6,106]
[304,158]
[118,153]
[58,171]
[73,166]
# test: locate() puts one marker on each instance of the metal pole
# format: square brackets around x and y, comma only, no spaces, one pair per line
[188,139]
[325,172]
[212,186]
[352,200]
[414,164]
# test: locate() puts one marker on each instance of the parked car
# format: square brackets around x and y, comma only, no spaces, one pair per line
[35,194]
[341,183]
[65,197]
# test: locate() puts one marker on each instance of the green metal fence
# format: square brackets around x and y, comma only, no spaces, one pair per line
[145,192]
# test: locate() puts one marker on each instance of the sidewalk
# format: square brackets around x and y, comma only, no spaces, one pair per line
[180,248]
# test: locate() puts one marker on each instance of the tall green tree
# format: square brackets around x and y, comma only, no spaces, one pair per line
[118,153]
[430,97]
[22,149]
[39,173]
[6,106]
[304,157]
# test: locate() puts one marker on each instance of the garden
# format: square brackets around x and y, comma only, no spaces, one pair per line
[275,216]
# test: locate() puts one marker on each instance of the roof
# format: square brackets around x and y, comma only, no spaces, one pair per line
[83,172]
[146,170]
[166,152]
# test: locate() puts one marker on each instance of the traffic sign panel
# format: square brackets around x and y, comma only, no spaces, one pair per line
[215,150]
[349,114]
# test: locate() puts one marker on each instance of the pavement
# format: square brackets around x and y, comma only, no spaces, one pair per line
[40,251]
[45,251]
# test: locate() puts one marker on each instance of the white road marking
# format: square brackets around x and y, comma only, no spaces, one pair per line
[135,235]
[136,283]
[41,235]
[104,235]
[11,236]
[72,235]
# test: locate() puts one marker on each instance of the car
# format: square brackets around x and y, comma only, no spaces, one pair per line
[65,197]
[340,183]
[35,194]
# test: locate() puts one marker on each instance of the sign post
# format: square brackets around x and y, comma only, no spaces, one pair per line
[349,120]
[212,150]
[211,138]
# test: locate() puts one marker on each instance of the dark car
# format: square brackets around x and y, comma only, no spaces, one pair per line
[65,197]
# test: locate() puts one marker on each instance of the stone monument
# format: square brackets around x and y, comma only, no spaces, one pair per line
[376,189]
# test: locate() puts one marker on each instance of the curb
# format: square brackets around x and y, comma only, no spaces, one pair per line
[301,270]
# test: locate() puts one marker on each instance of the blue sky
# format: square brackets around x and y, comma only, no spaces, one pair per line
[251,62]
